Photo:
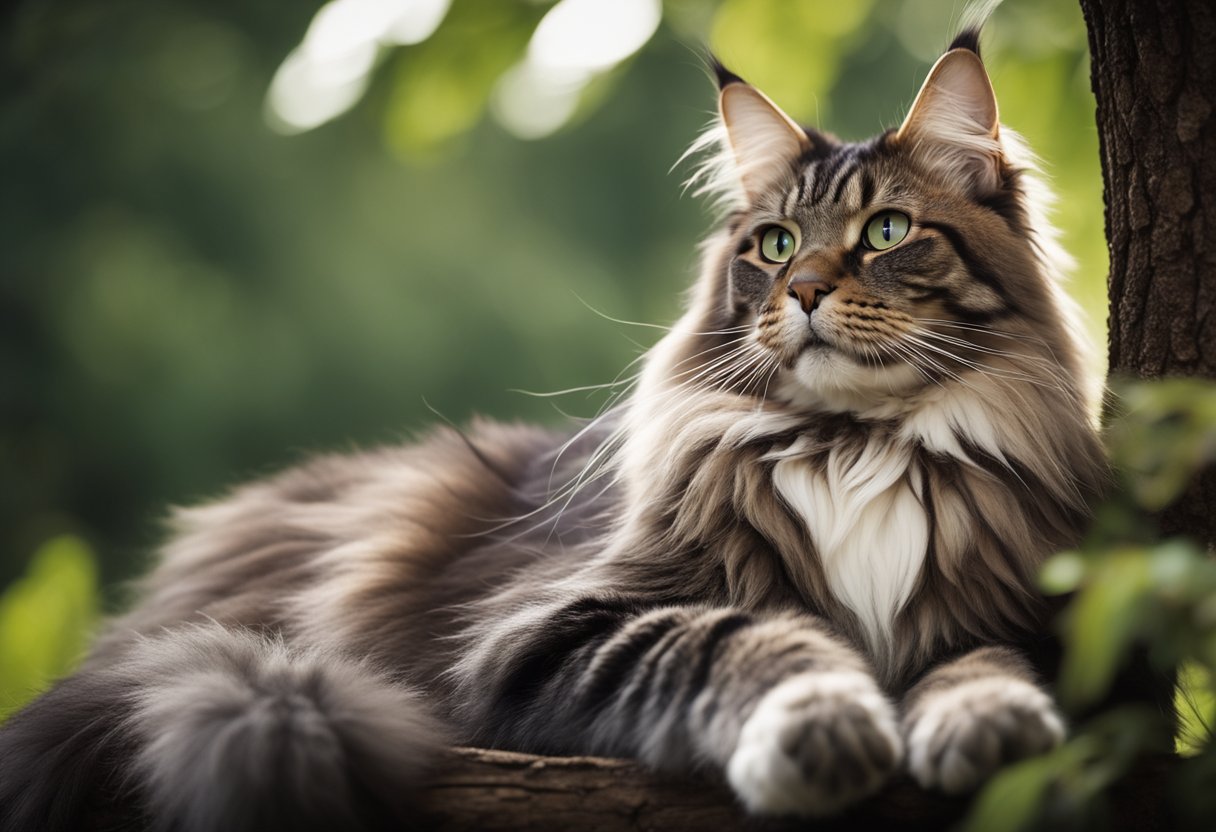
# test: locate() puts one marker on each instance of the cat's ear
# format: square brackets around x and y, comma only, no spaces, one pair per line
[953,124]
[764,142]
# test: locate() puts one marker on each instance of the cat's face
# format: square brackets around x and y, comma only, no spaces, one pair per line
[881,266]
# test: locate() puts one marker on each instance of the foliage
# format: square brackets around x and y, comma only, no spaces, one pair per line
[441,88]
[1131,590]
[45,619]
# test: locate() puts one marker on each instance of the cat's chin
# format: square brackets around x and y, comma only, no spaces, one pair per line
[826,378]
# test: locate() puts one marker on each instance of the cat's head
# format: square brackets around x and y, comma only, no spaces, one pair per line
[872,269]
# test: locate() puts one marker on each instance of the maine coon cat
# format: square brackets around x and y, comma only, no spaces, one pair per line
[800,556]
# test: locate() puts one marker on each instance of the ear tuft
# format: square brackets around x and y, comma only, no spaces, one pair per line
[954,125]
[722,75]
[749,147]
[968,39]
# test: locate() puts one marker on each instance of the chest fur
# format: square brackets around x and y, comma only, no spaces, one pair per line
[865,517]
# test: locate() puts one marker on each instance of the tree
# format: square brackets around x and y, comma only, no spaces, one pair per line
[1154,76]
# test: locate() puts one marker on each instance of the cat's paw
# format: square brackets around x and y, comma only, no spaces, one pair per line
[815,744]
[959,737]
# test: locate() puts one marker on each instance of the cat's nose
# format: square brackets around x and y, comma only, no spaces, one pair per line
[809,291]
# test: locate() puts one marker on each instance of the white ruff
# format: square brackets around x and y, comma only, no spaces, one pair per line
[868,525]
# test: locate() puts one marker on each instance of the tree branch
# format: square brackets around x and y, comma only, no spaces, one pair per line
[494,791]
[489,791]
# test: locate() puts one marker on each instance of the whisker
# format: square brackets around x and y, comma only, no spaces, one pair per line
[987,369]
[607,317]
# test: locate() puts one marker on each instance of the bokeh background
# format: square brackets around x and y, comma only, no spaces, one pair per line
[233,233]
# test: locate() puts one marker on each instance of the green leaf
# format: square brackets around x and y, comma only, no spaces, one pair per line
[440,88]
[1011,801]
[1062,573]
[45,618]
[1195,700]
[1101,623]
[1065,785]
[1164,436]
[1174,566]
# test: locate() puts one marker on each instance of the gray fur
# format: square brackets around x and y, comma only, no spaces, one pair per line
[240,732]
[638,587]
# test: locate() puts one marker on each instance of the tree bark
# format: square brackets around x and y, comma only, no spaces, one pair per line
[1154,77]
[500,791]
[494,791]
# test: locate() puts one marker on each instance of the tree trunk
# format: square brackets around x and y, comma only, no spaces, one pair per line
[1154,75]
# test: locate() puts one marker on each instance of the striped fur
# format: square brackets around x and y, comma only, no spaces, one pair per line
[800,555]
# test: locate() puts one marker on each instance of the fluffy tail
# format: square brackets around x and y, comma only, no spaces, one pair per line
[208,728]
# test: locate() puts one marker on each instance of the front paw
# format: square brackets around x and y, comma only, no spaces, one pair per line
[957,738]
[815,744]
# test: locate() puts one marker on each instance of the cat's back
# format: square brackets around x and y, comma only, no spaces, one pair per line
[370,548]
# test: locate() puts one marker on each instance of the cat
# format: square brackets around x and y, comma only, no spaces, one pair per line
[800,556]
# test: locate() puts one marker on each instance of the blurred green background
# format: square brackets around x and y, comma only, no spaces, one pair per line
[233,232]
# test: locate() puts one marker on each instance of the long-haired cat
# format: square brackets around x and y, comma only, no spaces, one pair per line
[801,555]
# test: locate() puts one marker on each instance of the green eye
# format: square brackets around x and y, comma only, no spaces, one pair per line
[777,245]
[885,230]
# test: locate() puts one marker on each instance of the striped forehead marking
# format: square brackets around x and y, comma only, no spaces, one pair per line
[827,180]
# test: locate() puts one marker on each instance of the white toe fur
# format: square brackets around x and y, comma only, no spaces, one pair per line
[815,743]
[959,737]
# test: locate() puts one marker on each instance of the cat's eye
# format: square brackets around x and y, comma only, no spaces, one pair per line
[778,244]
[885,230]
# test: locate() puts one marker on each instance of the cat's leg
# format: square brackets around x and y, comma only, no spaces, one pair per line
[786,710]
[205,728]
[970,716]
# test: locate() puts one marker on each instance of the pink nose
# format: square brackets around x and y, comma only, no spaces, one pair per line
[809,291]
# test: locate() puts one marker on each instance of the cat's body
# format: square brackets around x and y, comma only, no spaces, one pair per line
[801,554]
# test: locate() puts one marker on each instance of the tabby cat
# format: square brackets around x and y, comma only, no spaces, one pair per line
[800,556]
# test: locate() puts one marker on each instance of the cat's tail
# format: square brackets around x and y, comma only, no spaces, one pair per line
[209,728]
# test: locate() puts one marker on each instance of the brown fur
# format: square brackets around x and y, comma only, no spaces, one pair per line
[664,583]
